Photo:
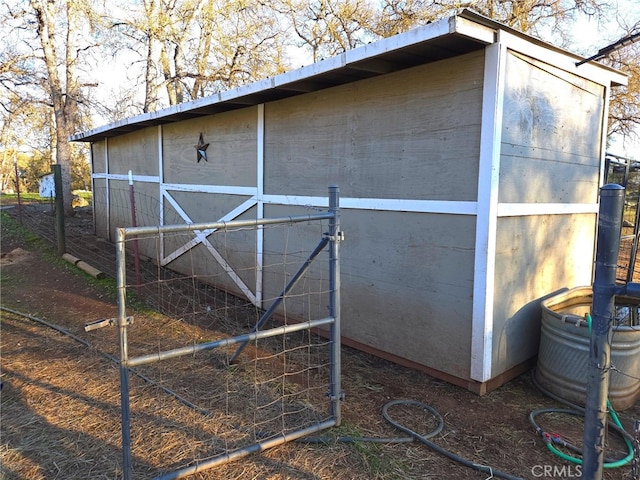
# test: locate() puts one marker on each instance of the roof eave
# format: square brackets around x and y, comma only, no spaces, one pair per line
[456,35]
[435,41]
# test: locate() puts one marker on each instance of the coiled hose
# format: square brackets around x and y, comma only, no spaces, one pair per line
[553,439]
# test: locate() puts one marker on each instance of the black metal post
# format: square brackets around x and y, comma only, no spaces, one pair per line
[60,235]
[603,310]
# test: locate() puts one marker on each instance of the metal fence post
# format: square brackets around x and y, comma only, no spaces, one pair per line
[335,236]
[125,409]
[603,309]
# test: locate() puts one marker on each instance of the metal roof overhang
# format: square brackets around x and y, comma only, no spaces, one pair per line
[449,37]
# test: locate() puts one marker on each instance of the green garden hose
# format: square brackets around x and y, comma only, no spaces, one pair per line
[553,439]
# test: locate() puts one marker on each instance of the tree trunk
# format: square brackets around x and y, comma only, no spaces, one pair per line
[63,158]
[64,101]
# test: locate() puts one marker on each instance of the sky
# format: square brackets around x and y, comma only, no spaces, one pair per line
[588,38]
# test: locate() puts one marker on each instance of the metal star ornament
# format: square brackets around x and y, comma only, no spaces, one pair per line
[201,149]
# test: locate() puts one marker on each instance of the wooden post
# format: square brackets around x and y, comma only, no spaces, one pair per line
[60,235]
[15,167]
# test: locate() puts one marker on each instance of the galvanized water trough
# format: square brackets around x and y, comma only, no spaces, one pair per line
[563,356]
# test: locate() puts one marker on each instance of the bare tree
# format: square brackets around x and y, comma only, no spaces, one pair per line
[329,27]
[624,105]
[397,16]
[46,70]
[192,48]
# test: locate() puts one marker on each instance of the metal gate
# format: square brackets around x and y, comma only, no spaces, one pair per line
[250,378]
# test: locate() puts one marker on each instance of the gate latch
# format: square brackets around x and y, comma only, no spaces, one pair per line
[107,322]
[339,236]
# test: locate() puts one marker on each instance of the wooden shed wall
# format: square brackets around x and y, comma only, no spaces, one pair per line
[101,208]
[99,157]
[413,134]
[536,256]
[231,155]
[550,150]
[136,151]
[406,284]
[549,155]
[407,277]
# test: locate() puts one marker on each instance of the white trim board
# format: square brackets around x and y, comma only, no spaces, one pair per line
[531,209]
[125,177]
[486,221]
[382,204]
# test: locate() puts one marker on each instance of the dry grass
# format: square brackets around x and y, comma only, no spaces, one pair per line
[74,392]
[61,403]
[61,420]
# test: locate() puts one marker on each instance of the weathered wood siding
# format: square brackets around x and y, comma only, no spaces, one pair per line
[550,150]
[98,157]
[406,283]
[536,256]
[407,278]
[414,134]
[137,152]
[100,207]
[100,204]
[231,155]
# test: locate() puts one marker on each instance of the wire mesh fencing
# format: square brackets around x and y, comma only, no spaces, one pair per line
[229,357]
[626,172]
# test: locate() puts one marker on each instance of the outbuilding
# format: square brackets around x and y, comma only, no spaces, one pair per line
[469,158]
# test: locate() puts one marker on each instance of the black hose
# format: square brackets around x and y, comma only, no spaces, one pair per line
[412,435]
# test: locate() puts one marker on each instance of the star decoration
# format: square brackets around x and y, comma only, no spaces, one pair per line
[201,148]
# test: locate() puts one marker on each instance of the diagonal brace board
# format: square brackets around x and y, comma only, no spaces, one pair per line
[200,236]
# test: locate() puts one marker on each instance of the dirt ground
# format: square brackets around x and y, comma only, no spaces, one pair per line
[60,401]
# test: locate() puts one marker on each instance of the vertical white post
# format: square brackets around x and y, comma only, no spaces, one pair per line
[259,202]
[486,220]
[161,189]
[107,182]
